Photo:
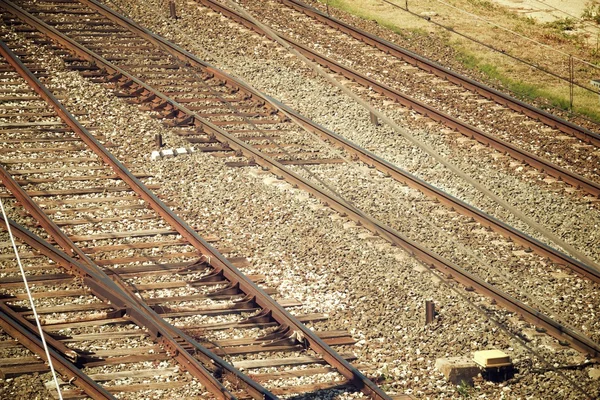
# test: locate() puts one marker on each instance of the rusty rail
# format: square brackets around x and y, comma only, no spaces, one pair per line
[371,159]
[583,343]
[452,76]
[34,344]
[533,160]
[230,272]
[223,267]
[101,285]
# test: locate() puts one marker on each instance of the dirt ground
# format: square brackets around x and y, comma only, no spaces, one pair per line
[521,46]
[553,10]
[546,10]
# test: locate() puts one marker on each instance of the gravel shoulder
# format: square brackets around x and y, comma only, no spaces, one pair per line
[363,283]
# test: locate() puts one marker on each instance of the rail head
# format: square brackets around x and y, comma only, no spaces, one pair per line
[446,73]
[281,315]
[371,159]
[101,284]
[218,261]
[34,344]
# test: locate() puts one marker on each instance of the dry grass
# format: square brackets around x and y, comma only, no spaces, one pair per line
[560,39]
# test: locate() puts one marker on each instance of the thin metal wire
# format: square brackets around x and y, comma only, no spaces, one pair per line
[35,315]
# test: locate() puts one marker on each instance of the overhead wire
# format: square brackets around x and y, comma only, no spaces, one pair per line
[513,57]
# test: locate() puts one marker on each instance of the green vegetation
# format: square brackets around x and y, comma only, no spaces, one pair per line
[522,89]
[464,390]
[562,25]
[519,79]
[591,12]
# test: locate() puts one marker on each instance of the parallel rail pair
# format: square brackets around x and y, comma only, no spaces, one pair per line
[120,295]
[464,128]
[187,116]
[128,80]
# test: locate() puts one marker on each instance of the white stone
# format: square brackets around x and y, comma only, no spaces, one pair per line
[180,151]
[167,153]
[155,155]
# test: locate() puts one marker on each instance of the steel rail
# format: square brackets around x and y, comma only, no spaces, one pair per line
[218,261]
[369,158]
[452,76]
[468,130]
[34,344]
[104,287]
[428,257]
[506,230]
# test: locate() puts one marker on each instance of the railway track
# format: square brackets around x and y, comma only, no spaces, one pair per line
[481,134]
[217,292]
[213,135]
[278,114]
[447,74]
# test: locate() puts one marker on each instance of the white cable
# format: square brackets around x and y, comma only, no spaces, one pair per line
[37,320]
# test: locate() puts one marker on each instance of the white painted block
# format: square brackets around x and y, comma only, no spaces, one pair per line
[167,153]
[180,151]
[155,155]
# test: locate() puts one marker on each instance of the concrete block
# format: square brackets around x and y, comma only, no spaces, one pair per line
[181,150]
[594,374]
[457,369]
[191,149]
[167,153]
[155,155]
[492,359]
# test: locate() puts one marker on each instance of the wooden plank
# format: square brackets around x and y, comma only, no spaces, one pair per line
[166,267]
[103,353]
[104,335]
[67,308]
[310,388]
[133,246]
[80,178]
[87,200]
[235,308]
[158,259]
[78,394]
[137,358]
[109,376]
[54,149]
[53,293]
[54,170]
[50,160]
[7,280]
[5,344]
[290,374]
[85,221]
[278,362]
[75,192]
[18,370]
[5,362]
[44,140]
[325,335]
[85,324]
[144,233]
[229,325]
[73,210]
